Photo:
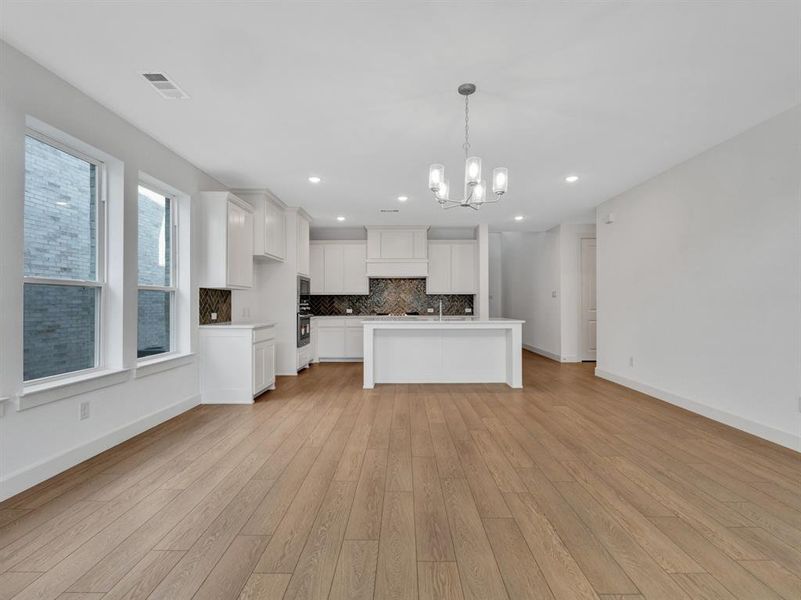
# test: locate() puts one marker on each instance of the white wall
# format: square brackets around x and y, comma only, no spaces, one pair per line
[699,280]
[530,275]
[534,267]
[39,442]
[495,275]
[570,237]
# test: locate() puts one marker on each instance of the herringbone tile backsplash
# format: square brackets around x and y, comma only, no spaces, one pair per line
[393,297]
[215,301]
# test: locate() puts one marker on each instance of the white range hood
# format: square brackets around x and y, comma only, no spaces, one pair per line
[397,252]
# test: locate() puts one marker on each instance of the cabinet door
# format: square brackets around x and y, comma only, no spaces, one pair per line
[239,246]
[303,246]
[333,269]
[463,269]
[331,342]
[317,268]
[355,280]
[354,341]
[280,232]
[269,364]
[259,364]
[439,269]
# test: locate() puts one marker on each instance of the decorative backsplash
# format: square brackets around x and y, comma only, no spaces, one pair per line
[394,297]
[215,301]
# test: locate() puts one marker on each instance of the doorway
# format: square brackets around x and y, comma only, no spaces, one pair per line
[588,324]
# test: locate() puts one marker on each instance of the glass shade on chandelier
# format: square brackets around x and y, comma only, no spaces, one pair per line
[476,191]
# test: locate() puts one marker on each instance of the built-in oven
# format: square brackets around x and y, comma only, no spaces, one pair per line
[304,311]
[304,330]
[304,293]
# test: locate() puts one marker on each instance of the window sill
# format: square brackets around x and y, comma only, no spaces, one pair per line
[162,363]
[38,394]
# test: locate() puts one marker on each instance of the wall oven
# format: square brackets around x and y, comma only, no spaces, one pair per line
[304,311]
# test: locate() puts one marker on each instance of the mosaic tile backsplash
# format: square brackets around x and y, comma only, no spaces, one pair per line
[393,297]
[218,301]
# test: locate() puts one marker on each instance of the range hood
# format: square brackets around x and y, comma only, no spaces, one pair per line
[397,252]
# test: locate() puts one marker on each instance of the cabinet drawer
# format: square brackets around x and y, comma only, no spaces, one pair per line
[263,334]
[335,322]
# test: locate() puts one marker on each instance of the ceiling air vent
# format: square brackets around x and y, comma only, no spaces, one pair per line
[165,86]
[388,210]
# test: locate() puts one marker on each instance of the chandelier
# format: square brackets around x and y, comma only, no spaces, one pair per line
[475,188]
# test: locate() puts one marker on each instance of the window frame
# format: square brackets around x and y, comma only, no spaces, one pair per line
[172,289]
[100,282]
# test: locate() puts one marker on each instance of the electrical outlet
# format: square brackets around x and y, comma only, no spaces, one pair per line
[631,361]
[213,316]
[429,310]
[468,310]
[349,311]
[84,411]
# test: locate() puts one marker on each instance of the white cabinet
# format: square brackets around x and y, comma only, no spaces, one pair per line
[397,251]
[452,267]
[263,365]
[339,338]
[269,225]
[303,246]
[338,267]
[227,248]
[354,340]
[237,362]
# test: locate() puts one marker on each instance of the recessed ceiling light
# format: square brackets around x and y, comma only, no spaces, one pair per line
[403,198]
[340,218]
[571,178]
[314,179]
[519,218]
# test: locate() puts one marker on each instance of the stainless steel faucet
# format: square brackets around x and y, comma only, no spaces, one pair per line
[440,310]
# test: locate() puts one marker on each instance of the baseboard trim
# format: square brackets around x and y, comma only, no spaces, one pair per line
[549,354]
[771,434]
[21,480]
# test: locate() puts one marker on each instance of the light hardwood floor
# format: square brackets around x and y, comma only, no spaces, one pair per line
[571,488]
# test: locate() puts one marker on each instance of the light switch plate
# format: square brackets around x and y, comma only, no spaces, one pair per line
[213,316]
[430,310]
[349,311]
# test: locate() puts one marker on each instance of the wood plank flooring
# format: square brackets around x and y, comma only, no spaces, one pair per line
[571,488]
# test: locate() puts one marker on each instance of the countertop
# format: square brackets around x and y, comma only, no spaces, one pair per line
[242,325]
[454,322]
[426,317]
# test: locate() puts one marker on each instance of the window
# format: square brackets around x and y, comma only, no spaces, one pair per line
[64,226]
[156,245]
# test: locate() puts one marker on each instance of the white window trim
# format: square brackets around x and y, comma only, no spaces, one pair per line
[78,382]
[162,362]
[101,253]
[146,362]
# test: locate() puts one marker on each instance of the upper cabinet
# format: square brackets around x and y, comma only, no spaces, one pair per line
[303,246]
[397,252]
[452,267]
[338,267]
[269,225]
[227,248]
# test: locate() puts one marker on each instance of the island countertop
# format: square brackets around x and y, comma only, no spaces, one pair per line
[420,350]
[446,322]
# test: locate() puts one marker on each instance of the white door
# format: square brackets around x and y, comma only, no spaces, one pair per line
[439,269]
[333,269]
[331,342]
[588,294]
[317,268]
[463,269]
[354,341]
[355,277]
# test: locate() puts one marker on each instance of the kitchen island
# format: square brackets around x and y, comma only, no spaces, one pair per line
[422,350]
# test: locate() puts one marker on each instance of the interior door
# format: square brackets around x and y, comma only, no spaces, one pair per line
[589,323]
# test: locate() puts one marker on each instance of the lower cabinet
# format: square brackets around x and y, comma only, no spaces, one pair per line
[339,338]
[237,362]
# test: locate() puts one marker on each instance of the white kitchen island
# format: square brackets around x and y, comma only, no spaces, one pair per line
[448,351]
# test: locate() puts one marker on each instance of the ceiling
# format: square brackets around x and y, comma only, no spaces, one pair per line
[363,94]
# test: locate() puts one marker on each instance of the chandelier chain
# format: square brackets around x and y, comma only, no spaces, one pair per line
[466,144]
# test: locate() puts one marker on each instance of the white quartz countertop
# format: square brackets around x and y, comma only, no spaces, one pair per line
[243,325]
[426,317]
[453,322]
